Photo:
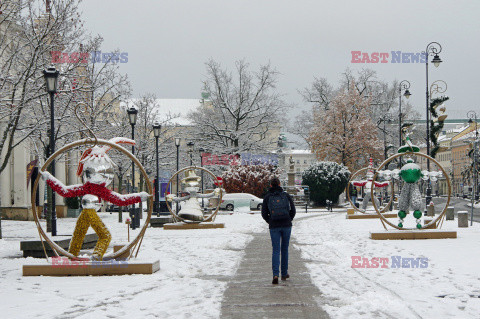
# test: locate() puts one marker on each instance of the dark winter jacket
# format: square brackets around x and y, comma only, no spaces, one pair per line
[266,210]
[353,190]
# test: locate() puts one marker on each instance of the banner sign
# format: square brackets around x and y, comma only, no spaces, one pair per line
[214,159]
[254,159]
[164,188]
[30,167]
[235,159]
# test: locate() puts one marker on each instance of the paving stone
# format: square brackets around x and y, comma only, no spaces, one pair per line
[250,293]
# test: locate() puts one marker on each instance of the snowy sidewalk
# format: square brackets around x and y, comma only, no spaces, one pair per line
[250,293]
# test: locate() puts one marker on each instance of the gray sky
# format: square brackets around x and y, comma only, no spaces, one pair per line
[168,42]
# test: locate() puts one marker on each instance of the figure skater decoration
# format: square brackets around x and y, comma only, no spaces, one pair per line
[368,184]
[96,169]
[410,173]
[191,209]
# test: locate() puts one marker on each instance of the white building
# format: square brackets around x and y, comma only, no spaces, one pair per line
[302,160]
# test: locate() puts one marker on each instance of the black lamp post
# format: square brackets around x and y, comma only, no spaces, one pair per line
[177,144]
[132,117]
[433,48]
[190,146]
[385,118]
[201,151]
[156,132]
[404,85]
[473,115]
[51,81]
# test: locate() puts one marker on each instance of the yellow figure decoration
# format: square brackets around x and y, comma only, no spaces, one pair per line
[88,218]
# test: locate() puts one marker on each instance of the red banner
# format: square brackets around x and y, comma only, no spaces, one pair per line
[215,159]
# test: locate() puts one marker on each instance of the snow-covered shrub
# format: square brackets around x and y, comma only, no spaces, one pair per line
[253,179]
[327,180]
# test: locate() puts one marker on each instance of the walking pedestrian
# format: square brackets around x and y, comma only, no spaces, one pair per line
[353,194]
[278,210]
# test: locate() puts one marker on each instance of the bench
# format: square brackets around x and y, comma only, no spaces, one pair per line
[34,248]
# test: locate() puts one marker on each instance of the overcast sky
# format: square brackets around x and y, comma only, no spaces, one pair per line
[168,42]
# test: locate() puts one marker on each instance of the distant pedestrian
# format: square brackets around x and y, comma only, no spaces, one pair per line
[278,210]
[353,194]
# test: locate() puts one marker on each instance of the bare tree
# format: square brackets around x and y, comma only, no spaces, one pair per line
[243,106]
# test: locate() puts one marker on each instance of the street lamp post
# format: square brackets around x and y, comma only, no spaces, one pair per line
[385,118]
[190,146]
[472,115]
[201,151]
[177,144]
[132,117]
[51,80]
[404,85]
[156,132]
[433,48]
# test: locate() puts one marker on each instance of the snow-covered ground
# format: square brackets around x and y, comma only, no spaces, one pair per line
[449,287]
[195,266]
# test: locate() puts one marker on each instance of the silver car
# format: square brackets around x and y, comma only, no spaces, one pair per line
[230,201]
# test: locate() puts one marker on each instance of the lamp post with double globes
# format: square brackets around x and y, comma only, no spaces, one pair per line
[51,81]
[472,115]
[433,48]
[132,117]
[156,132]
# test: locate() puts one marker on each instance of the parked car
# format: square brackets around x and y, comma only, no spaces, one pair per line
[230,201]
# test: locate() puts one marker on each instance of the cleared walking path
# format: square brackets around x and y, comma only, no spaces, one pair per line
[250,293]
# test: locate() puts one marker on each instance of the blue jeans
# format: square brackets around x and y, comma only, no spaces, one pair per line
[280,234]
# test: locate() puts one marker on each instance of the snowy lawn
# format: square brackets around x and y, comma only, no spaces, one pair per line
[449,287]
[195,266]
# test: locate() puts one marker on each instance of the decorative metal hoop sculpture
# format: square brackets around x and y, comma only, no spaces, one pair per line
[205,219]
[59,250]
[361,210]
[433,222]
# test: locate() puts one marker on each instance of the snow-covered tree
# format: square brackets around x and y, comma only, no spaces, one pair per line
[326,180]
[242,107]
[29,31]
[253,179]
[382,97]
[345,133]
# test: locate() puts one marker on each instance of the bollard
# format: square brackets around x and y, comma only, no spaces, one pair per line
[431,210]
[128,228]
[450,213]
[462,218]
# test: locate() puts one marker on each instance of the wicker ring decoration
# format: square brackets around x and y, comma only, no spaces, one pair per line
[361,210]
[136,240]
[440,216]
[178,218]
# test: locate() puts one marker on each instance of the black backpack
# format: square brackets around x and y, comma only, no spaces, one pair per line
[279,206]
